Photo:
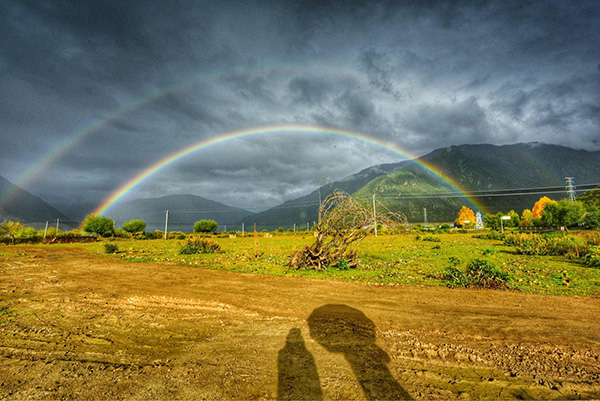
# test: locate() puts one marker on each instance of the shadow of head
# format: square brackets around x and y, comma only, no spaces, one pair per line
[340,328]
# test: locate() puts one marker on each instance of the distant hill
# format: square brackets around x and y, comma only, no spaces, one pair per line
[409,188]
[19,205]
[304,209]
[184,211]
[488,168]
[591,197]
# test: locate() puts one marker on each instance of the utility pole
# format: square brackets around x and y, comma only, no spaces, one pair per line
[571,188]
[294,227]
[46,229]
[242,229]
[57,220]
[166,223]
[374,216]
[424,217]
[307,228]
[225,228]
[254,227]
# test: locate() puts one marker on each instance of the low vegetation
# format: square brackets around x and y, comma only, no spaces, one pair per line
[198,245]
[479,273]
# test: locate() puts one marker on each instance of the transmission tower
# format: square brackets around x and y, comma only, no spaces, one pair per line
[571,188]
[478,221]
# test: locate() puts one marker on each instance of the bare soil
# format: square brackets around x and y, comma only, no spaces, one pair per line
[79,326]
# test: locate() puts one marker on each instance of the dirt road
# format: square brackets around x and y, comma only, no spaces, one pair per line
[74,325]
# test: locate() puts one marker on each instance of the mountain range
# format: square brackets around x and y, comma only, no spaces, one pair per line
[19,205]
[184,211]
[498,178]
[497,171]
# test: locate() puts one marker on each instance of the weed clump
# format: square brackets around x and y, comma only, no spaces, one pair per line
[534,244]
[199,245]
[110,248]
[479,273]
[429,238]
[493,235]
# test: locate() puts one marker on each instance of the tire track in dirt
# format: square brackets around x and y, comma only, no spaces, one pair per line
[92,327]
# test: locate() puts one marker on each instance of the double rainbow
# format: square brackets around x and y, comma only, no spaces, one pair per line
[283,129]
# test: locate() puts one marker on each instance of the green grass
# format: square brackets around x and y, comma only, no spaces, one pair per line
[388,259]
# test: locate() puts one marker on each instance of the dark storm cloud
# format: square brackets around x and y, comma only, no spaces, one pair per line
[308,90]
[379,71]
[142,80]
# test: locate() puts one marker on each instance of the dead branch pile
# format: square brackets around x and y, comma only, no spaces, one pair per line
[344,222]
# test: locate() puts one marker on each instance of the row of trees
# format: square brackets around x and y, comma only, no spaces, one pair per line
[545,213]
[105,226]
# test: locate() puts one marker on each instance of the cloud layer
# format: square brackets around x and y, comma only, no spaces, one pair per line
[155,77]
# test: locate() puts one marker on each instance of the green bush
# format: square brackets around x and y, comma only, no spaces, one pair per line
[198,245]
[205,226]
[482,273]
[592,258]
[103,226]
[547,244]
[110,248]
[492,235]
[479,273]
[429,238]
[134,226]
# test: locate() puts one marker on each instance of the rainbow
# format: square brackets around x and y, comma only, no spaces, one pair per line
[173,158]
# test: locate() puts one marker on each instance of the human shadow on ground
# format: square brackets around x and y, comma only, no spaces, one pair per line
[338,328]
[298,378]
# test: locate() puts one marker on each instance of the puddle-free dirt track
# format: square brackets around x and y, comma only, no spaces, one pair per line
[79,326]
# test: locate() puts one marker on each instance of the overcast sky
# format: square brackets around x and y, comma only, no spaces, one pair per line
[154,77]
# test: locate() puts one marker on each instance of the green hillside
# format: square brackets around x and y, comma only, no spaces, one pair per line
[411,189]
[514,172]
[591,197]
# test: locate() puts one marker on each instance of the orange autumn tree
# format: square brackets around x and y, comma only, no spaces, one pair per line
[466,214]
[539,206]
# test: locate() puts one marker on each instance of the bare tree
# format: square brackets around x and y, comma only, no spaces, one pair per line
[344,222]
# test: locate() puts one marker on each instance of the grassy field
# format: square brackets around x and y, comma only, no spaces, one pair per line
[386,260]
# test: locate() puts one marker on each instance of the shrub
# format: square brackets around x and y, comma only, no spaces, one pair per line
[592,258]
[99,225]
[479,273]
[120,233]
[343,264]
[492,235]
[547,244]
[157,234]
[593,239]
[198,245]
[482,273]
[134,226]
[280,230]
[429,238]
[110,248]
[205,226]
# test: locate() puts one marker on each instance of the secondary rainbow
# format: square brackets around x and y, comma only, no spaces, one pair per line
[171,159]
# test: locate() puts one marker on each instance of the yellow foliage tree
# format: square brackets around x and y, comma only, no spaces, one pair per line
[466,214]
[539,206]
[526,217]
